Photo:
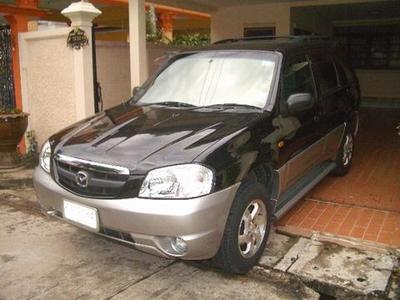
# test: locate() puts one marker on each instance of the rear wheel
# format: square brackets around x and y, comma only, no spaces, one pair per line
[344,156]
[246,231]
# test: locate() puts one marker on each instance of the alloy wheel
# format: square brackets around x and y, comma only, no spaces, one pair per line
[252,228]
[348,149]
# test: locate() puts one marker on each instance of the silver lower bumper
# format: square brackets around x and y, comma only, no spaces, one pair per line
[200,222]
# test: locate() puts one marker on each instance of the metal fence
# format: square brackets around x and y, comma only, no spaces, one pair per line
[7,94]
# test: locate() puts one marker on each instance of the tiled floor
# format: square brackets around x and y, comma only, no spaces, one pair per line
[364,204]
[374,180]
[344,220]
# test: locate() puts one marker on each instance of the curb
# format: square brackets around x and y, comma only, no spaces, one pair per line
[332,268]
[19,179]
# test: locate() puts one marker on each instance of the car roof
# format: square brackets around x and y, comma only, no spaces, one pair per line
[284,45]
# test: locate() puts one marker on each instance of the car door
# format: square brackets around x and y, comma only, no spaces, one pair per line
[335,102]
[301,148]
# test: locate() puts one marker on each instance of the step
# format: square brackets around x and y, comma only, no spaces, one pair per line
[16,179]
[331,269]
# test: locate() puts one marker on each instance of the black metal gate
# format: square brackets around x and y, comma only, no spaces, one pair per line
[7,93]
[98,99]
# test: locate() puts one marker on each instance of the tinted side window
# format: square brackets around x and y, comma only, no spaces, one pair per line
[298,78]
[327,76]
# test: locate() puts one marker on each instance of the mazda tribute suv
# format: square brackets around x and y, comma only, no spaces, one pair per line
[213,148]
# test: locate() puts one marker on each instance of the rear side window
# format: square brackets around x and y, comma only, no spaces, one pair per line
[298,78]
[327,78]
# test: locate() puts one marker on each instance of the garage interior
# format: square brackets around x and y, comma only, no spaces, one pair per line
[364,204]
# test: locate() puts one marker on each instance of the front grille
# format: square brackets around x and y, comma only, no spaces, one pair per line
[102,181]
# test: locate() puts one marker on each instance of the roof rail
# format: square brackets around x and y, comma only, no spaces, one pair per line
[274,37]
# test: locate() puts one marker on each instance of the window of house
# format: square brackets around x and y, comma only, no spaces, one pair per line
[298,78]
[327,78]
[259,31]
[371,47]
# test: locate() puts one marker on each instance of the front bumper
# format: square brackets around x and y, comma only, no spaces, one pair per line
[200,222]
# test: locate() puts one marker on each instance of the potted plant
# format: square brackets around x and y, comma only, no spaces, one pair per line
[13,124]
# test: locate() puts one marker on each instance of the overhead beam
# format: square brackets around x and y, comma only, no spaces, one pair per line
[186,4]
[181,11]
[25,11]
[161,7]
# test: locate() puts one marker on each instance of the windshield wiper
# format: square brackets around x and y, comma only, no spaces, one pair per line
[232,105]
[172,103]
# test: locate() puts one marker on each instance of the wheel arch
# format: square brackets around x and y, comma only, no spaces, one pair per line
[264,174]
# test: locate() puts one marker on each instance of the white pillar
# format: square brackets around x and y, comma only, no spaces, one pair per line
[81,15]
[137,42]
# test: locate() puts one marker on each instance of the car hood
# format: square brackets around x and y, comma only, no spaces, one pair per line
[143,137]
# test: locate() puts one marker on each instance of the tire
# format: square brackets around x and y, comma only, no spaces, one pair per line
[344,157]
[240,258]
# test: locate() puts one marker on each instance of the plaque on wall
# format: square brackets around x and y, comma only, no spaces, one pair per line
[77,39]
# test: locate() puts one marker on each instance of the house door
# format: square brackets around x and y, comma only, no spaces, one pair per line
[7,94]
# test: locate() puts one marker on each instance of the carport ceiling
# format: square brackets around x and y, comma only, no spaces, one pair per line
[210,5]
[355,11]
[213,4]
[198,5]
[58,5]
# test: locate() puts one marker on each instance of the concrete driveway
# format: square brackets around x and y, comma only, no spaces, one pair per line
[48,259]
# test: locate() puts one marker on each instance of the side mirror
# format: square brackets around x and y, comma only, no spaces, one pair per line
[137,92]
[300,102]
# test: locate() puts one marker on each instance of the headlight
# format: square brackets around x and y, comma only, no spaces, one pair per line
[177,182]
[45,157]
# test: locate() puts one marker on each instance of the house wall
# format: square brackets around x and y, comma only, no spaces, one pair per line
[113,68]
[47,76]
[113,72]
[230,22]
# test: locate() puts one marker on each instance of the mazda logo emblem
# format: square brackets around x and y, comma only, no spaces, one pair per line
[82,179]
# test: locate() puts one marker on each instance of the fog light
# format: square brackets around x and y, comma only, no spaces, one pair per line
[179,245]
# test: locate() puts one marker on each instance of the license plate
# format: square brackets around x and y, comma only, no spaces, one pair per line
[80,214]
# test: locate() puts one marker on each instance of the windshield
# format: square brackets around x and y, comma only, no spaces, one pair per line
[215,78]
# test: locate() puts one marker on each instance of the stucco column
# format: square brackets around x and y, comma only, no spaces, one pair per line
[137,42]
[81,15]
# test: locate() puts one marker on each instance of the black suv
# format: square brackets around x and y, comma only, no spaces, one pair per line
[209,151]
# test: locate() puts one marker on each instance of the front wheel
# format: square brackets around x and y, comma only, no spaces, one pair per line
[247,230]
[344,157]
